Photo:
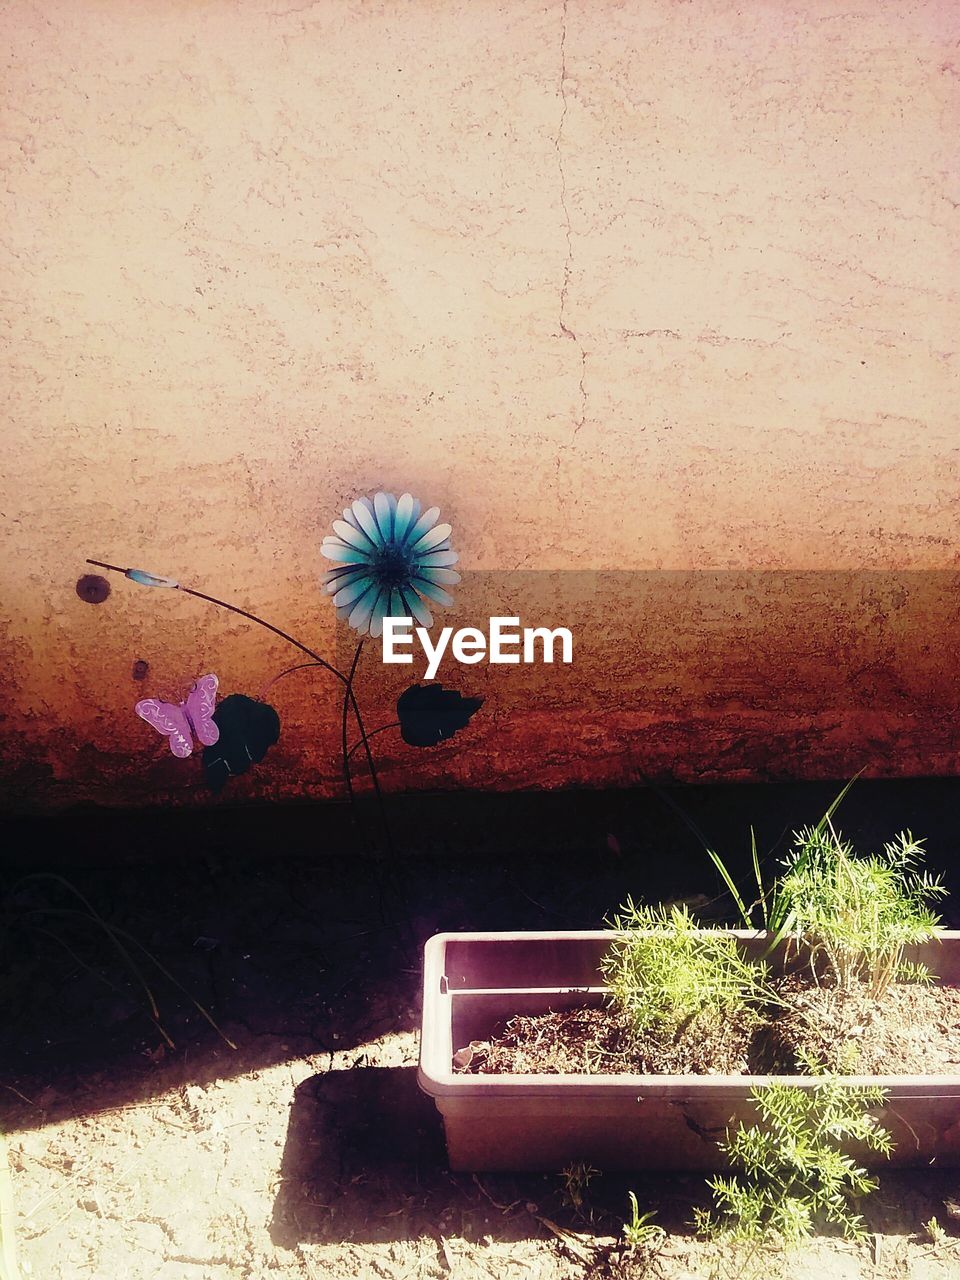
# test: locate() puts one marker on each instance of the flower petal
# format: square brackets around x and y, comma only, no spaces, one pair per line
[448,576]
[360,613]
[380,611]
[352,590]
[363,510]
[432,591]
[335,550]
[426,521]
[336,582]
[352,536]
[384,513]
[415,608]
[432,538]
[436,560]
[345,570]
[397,607]
[404,517]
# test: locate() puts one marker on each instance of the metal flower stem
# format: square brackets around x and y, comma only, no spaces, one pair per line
[348,780]
[348,699]
[386,874]
[349,695]
[252,617]
[372,733]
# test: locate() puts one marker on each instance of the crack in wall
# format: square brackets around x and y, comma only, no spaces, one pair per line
[565,329]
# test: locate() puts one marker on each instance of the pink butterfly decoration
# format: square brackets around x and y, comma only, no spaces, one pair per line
[180,722]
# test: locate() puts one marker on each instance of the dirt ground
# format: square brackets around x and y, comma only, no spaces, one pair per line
[307,1151]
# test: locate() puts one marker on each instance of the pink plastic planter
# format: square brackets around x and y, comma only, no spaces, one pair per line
[474,981]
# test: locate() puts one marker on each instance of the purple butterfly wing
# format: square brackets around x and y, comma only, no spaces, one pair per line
[171,720]
[200,704]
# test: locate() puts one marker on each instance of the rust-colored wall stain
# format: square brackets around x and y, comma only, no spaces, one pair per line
[623,288]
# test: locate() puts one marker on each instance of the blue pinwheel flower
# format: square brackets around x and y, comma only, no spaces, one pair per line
[388,558]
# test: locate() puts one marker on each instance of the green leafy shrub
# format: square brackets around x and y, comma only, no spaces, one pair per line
[856,914]
[795,1172]
[663,970]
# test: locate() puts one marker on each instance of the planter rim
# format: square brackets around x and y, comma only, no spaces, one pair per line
[516,935]
[436,1076]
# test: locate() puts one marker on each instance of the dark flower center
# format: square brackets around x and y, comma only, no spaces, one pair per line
[392,566]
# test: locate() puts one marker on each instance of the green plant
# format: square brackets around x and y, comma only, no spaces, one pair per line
[641,1232]
[858,913]
[935,1232]
[770,910]
[663,970]
[795,1171]
[576,1178]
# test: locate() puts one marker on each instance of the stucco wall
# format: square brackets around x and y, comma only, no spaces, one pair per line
[621,287]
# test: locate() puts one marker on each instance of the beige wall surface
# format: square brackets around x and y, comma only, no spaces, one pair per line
[621,287]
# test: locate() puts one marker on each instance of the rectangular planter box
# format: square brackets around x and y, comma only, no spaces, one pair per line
[473,982]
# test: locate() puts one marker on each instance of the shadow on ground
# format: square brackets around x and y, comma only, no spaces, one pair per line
[364,1162]
[365,1140]
[307,1150]
[297,948]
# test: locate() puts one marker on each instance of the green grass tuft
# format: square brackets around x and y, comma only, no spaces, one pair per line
[663,970]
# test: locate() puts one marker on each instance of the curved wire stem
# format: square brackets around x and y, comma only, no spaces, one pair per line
[289,672]
[244,613]
[394,724]
[385,873]
[349,696]
[345,755]
[350,701]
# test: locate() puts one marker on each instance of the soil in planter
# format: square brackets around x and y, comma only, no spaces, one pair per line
[601,1041]
[910,1030]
